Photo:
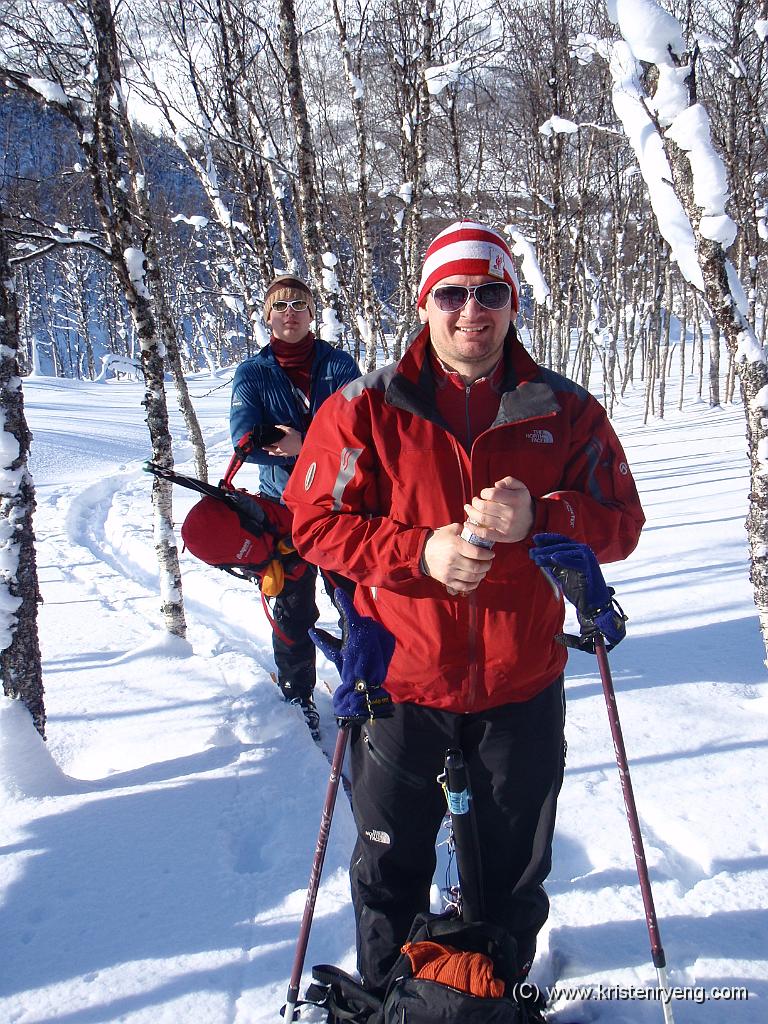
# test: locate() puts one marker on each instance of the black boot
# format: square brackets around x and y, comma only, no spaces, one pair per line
[311,716]
[298,695]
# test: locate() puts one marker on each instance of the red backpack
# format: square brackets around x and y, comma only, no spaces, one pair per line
[247,535]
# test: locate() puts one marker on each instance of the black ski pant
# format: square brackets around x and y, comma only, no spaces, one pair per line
[515,755]
[295,611]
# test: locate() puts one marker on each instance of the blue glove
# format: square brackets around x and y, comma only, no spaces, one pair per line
[362,656]
[575,569]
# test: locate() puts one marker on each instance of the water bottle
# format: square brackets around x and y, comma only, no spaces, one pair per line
[468,535]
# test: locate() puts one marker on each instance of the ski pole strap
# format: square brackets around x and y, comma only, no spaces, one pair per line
[243,449]
[606,624]
[340,994]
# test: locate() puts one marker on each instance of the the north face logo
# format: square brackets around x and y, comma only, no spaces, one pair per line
[541,437]
[377,836]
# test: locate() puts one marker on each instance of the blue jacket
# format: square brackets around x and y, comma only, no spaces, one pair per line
[262,393]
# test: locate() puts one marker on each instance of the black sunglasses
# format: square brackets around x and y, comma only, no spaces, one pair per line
[450,298]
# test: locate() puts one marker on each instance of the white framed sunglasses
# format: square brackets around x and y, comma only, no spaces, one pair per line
[281,305]
[450,298]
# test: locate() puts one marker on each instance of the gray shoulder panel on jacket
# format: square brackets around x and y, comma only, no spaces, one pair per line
[532,399]
[376,380]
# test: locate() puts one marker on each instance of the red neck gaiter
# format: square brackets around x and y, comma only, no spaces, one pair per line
[296,358]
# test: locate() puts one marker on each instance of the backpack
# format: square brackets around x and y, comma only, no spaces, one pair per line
[415,999]
[247,535]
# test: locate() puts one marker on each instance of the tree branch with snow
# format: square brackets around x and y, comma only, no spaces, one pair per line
[688,188]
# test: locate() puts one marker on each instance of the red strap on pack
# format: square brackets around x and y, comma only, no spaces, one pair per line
[243,449]
[286,640]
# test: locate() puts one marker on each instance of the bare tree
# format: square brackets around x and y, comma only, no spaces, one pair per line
[403,35]
[369,328]
[320,261]
[52,49]
[683,128]
[20,664]
[217,120]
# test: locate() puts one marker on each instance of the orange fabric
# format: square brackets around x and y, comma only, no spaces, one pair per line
[468,972]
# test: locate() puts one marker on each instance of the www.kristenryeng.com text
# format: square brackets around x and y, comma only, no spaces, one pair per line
[624,993]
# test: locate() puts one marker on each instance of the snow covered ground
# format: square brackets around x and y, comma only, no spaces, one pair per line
[156,850]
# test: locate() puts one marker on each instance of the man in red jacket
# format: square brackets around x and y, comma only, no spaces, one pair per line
[465,437]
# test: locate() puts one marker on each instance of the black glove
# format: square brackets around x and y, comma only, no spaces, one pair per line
[575,569]
[362,656]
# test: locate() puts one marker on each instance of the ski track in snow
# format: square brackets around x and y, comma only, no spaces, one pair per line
[114,569]
[203,807]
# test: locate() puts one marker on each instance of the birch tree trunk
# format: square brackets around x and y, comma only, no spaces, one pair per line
[409,69]
[683,343]
[154,281]
[170,339]
[309,206]
[664,353]
[118,223]
[371,321]
[714,364]
[698,344]
[752,370]
[20,664]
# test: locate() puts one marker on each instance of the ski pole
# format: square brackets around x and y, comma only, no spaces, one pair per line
[657,952]
[317,868]
[455,784]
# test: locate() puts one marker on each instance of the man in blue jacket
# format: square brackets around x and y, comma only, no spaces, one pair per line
[283,386]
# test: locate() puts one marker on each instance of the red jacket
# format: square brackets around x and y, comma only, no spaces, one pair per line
[379,470]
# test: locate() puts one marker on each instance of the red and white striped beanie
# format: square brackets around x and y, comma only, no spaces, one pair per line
[468,248]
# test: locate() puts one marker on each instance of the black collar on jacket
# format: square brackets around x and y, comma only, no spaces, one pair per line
[524,395]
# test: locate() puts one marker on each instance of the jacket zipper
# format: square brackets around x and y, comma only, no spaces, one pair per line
[472,609]
[468,418]
[472,674]
[472,601]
